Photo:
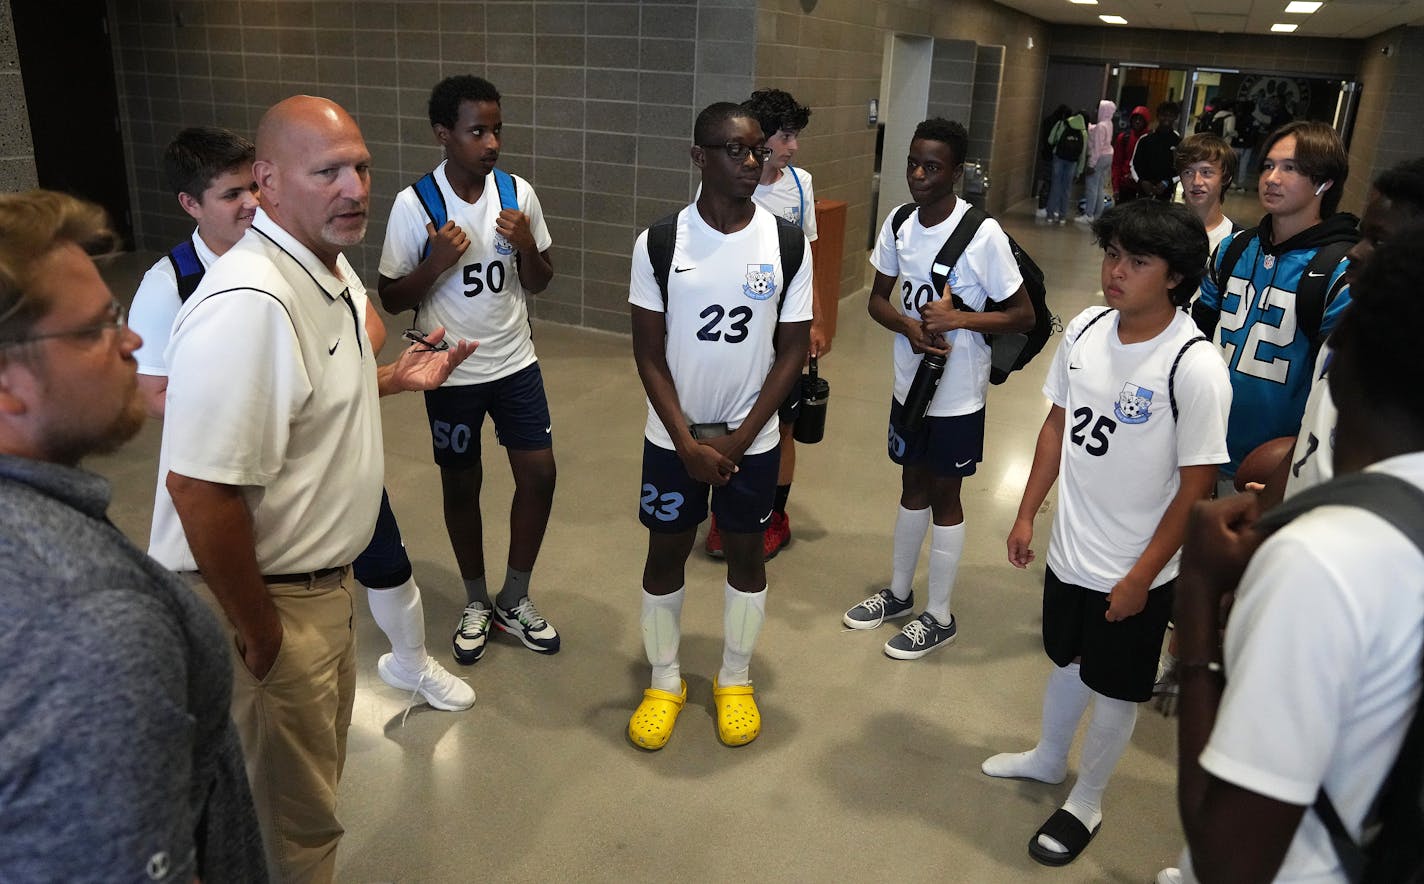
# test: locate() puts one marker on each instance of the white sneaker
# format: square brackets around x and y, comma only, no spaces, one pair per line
[439,688]
[1040,213]
[1083,219]
[1169,876]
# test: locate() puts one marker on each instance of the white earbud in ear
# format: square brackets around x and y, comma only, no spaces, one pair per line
[1324,186]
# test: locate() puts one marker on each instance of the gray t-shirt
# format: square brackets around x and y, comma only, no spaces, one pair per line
[118,758]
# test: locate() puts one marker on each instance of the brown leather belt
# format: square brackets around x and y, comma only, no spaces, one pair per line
[304,577]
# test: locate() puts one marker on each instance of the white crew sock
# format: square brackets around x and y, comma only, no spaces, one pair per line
[946,547]
[742,616]
[1108,734]
[662,633]
[401,616]
[910,528]
[1064,700]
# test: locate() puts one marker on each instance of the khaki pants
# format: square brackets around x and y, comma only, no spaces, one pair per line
[293,723]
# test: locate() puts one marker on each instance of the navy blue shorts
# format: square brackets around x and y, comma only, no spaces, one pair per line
[789,410]
[949,446]
[672,502]
[383,563]
[516,404]
[1119,659]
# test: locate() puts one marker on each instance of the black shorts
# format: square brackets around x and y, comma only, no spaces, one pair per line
[383,563]
[1119,659]
[672,502]
[949,446]
[515,403]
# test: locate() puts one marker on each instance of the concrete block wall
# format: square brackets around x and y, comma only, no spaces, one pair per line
[17,153]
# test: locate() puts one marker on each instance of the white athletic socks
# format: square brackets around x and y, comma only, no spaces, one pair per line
[1064,700]
[402,618]
[662,633]
[910,528]
[742,616]
[1108,734]
[946,547]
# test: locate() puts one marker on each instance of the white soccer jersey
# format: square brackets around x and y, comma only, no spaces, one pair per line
[480,298]
[1322,670]
[785,199]
[1121,448]
[1313,460]
[721,315]
[154,306]
[986,271]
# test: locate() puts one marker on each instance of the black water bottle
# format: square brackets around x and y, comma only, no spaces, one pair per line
[922,391]
[811,419]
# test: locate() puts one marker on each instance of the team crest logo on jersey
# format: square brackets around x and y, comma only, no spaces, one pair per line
[502,245]
[792,214]
[761,282]
[1134,404]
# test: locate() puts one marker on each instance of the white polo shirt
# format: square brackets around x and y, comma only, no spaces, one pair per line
[480,298]
[155,305]
[796,204]
[273,389]
[721,315]
[986,271]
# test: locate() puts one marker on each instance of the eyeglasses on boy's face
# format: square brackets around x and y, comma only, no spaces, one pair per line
[738,151]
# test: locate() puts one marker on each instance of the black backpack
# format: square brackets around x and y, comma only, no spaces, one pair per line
[1392,851]
[1011,352]
[1070,144]
[662,237]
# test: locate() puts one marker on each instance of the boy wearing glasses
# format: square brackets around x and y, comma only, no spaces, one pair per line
[719,335]
[785,191]
[949,444]
[472,274]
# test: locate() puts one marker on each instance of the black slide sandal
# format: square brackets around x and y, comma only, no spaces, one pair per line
[1066,829]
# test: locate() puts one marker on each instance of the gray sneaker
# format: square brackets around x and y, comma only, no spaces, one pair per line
[877,609]
[920,636]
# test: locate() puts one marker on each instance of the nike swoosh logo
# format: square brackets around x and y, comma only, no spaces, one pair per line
[332,351]
[1314,275]
[766,518]
[549,428]
[1072,367]
[683,269]
[958,465]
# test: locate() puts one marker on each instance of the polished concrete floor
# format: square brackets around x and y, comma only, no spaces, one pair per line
[867,768]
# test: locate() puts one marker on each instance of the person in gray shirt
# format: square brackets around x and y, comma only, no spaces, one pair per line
[118,759]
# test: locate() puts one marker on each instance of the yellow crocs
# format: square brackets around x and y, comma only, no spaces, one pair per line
[651,724]
[738,720]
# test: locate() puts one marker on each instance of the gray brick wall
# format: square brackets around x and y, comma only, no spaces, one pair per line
[17,152]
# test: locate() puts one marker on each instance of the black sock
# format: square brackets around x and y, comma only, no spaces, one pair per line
[782,493]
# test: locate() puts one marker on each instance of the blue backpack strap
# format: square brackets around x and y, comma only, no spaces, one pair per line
[504,183]
[187,268]
[800,196]
[433,202]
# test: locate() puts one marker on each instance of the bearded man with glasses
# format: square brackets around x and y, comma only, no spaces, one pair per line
[119,751]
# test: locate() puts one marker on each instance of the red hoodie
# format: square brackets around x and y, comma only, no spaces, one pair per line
[1123,147]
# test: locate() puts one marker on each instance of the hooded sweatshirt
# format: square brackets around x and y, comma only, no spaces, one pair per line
[1270,380]
[1100,133]
[1123,147]
[1074,121]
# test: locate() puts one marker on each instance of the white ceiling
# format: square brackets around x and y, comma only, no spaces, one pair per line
[1337,18]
